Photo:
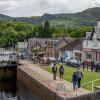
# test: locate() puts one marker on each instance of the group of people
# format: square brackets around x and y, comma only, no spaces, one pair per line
[61,71]
[76,77]
[91,64]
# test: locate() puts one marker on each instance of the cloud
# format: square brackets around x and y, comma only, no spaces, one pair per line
[39,7]
[7,5]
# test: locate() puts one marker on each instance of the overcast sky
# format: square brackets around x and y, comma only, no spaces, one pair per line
[39,7]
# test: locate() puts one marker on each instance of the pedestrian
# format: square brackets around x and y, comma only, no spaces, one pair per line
[61,72]
[92,65]
[61,59]
[78,65]
[80,76]
[54,70]
[75,81]
[83,64]
[87,65]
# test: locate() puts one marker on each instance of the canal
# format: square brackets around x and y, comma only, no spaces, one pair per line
[11,89]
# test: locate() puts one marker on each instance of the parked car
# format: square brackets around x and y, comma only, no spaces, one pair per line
[60,58]
[97,65]
[73,62]
[52,58]
[66,60]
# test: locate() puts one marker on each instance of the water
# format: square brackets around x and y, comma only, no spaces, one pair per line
[11,89]
[8,90]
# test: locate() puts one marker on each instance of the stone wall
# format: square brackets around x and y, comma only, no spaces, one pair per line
[45,93]
[34,85]
[90,96]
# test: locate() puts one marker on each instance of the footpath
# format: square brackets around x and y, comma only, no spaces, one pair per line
[62,88]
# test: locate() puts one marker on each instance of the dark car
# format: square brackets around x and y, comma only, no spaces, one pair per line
[97,65]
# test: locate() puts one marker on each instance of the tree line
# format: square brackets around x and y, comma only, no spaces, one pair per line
[12,31]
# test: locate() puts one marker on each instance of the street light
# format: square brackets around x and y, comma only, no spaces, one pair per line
[36,45]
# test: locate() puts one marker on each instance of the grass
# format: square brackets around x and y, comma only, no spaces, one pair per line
[88,76]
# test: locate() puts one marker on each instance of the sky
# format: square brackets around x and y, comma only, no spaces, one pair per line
[39,7]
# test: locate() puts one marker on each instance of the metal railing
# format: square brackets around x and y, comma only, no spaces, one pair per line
[92,84]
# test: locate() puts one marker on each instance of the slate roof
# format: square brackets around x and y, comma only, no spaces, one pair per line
[42,41]
[95,30]
[74,44]
[67,40]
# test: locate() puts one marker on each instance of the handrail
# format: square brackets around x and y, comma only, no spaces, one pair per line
[98,79]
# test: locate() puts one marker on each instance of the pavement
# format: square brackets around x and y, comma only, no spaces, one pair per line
[62,88]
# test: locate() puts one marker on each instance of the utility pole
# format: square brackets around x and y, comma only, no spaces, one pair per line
[36,45]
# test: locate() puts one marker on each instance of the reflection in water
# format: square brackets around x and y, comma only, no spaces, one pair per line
[8,83]
[10,91]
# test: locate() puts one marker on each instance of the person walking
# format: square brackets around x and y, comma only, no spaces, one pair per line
[92,65]
[75,81]
[87,65]
[54,70]
[83,64]
[80,76]
[61,72]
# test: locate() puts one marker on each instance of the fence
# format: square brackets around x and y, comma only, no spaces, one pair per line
[92,84]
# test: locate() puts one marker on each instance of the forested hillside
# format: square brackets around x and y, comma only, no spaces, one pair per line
[85,18]
[14,29]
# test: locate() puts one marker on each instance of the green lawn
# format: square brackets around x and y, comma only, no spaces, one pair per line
[88,76]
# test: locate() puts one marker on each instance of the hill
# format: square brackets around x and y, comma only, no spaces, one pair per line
[84,18]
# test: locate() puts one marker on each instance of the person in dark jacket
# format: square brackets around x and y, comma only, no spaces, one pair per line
[54,70]
[61,72]
[83,64]
[75,81]
[92,65]
[80,76]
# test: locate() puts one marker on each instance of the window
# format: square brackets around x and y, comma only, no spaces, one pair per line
[89,56]
[66,54]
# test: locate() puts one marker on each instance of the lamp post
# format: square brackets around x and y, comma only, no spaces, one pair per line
[36,46]
[55,49]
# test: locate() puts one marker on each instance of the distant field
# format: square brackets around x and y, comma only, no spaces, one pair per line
[88,76]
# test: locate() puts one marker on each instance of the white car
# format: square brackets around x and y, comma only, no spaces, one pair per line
[74,62]
[66,60]
[52,59]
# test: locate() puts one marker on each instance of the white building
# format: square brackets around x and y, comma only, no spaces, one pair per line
[91,44]
[8,55]
[23,49]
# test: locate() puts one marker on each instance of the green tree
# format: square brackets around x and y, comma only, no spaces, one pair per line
[45,31]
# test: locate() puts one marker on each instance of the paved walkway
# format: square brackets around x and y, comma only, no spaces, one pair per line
[46,78]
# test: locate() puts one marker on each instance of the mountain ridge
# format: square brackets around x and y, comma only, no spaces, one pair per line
[85,18]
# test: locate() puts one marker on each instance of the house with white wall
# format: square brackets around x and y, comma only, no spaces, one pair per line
[91,44]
